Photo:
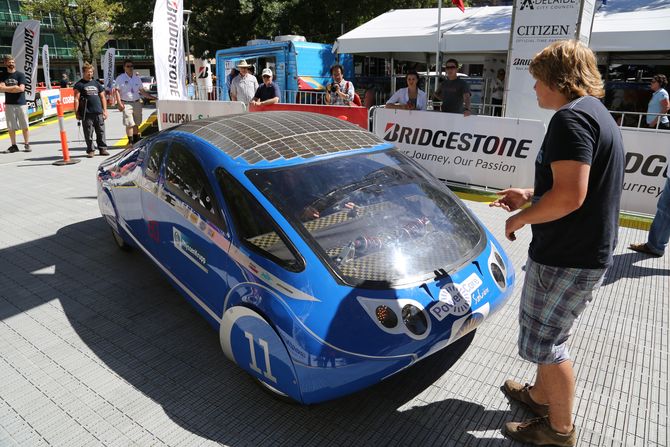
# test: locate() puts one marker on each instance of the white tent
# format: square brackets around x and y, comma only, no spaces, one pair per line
[411,34]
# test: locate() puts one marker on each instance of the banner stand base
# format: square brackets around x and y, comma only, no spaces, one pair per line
[71,161]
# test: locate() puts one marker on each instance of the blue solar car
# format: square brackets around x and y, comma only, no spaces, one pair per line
[326,258]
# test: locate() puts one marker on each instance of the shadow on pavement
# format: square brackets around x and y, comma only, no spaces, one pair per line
[130,317]
[624,266]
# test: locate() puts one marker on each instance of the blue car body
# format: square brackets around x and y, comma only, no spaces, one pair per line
[320,288]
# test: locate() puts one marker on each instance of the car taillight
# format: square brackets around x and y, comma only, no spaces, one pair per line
[415,319]
[386,316]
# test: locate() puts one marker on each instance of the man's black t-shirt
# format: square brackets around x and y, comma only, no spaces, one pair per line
[584,131]
[264,92]
[89,98]
[452,93]
[11,80]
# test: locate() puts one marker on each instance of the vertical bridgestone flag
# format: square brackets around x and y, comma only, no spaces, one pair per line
[168,42]
[25,49]
[45,66]
[108,68]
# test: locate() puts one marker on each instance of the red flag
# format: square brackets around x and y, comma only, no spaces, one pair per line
[459,3]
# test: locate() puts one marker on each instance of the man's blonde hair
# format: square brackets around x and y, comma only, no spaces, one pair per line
[86,67]
[570,67]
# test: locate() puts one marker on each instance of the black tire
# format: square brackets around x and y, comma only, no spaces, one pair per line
[118,240]
[276,394]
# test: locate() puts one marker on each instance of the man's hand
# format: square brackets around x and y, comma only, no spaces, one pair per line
[467,112]
[121,106]
[256,102]
[512,224]
[104,114]
[512,199]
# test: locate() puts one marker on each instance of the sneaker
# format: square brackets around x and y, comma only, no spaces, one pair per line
[520,393]
[13,148]
[26,148]
[538,432]
[103,151]
[90,154]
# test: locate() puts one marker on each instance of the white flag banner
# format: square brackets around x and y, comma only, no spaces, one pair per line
[45,66]
[203,70]
[169,49]
[536,24]
[108,68]
[81,67]
[25,49]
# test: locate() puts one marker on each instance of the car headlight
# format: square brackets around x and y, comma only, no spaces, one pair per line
[387,314]
[497,268]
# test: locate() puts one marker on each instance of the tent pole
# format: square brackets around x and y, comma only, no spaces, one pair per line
[437,53]
[392,74]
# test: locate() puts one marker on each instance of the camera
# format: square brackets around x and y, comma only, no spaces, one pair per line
[334,87]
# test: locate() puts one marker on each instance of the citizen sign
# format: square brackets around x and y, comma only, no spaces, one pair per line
[462,141]
[542,30]
[29,64]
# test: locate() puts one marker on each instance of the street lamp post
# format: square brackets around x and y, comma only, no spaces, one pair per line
[187,14]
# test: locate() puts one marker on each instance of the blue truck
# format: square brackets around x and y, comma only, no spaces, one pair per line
[298,66]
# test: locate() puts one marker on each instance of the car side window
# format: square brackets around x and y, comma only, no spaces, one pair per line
[185,178]
[254,225]
[155,158]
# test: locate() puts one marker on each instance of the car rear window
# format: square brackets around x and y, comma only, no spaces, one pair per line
[376,219]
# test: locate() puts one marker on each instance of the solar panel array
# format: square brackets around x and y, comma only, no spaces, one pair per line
[272,135]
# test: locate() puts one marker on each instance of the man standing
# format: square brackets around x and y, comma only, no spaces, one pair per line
[454,92]
[244,85]
[340,92]
[64,81]
[129,90]
[268,92]
[13,85]
[89,96]
[574,217]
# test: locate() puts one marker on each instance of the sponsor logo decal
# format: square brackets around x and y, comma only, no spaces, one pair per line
[173,48]
[184,245]
[29,64]
[456,298]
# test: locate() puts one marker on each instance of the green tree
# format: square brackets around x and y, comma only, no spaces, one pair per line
[87,23]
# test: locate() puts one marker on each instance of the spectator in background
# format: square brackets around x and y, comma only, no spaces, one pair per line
[243,87]
[64,81]
[229,80]
[453,91]
[498,93]
[658,103]
[410,97]
[268,92]
[340,92]
[129,92]
[13,85]
[91,109]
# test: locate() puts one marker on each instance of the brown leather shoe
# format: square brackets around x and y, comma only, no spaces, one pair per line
[520,393]
[644,248]
[104,152]
[90,154]
[538,432]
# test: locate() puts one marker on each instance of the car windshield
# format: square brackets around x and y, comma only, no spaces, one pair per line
[377,219]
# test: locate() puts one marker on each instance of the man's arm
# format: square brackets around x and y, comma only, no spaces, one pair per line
[76,104]
[13,89]
[571,180]
[466,101]
[103,100]
[233,91]
[117,96]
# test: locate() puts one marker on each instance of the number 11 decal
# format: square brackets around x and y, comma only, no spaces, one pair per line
[266,352]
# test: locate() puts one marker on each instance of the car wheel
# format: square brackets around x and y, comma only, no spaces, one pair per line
[253,344]
[120,242]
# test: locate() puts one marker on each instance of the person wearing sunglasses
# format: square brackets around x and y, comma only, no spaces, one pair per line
[453,91]
[129,92]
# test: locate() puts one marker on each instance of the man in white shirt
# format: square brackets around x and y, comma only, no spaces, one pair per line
[128,91]
[244,85]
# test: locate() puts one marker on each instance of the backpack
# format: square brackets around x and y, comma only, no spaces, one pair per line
[357,99]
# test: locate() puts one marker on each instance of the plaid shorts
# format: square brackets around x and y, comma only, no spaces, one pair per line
[551,301]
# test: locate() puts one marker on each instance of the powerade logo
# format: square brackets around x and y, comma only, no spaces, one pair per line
[462,141]
[29,64]
[173,49]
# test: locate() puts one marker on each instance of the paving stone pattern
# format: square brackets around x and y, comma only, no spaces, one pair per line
[96,348]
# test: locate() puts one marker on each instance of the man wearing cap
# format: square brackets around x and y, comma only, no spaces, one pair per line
[268,92]
[243,87]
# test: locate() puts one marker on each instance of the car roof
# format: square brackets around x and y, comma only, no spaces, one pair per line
[270,137]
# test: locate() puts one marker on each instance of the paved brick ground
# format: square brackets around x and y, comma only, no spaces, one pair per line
[97,349]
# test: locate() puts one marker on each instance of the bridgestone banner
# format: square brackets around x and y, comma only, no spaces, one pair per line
[536,24]
[169,49]
[25,49]
[108,68]
[474,150]
[45,66]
